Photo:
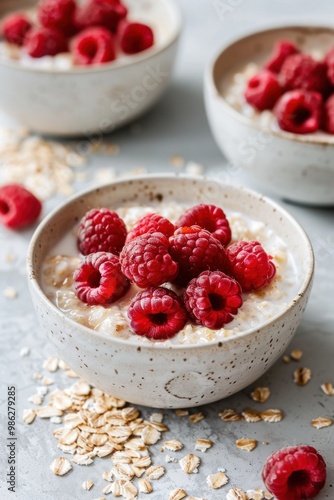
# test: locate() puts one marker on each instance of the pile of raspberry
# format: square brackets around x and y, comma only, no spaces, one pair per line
[188,271]
[94,33]
[297,88]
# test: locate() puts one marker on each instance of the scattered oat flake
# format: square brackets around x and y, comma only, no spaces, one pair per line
[56,420]
[173,445]
[302,376]
[25,351]
[247,444]
[328,388]
[260,394]
[71,374]
[145,485]
[28,416]
[36,399]
[150,435]
[194,168]
[296,355]
[48,412]
[229,416]
[170,459]
[196,417]
[286,359]
[321,422]
[190,463]
[37,376]
[155,471]
[108,476]
[251,415]
[60,466]
[236,494]
[272,415]
[10,293]
[107,489]
[177,494]
[258,494]
[51,364]
[181,413]
[203,444]
[87,485]
[47,381]
[157,417]
[128,490]
[217,480]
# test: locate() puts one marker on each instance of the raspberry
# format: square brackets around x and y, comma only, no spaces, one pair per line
[101,230]
[18,206]
[329,115]
[263,90]
[196,250]
[301,71]
[106,13]
[212,299]
[329,61]
[15,27]
[145,260]
[250,265]
[40,42]
[209,217]
[99,279]
[299,111]
[93,46]
[157,313]
[282,50]
[57,14]
[136,37]
[151,223]
[294,473]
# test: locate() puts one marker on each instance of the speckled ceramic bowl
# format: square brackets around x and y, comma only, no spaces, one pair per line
[180,375]
[296,167]
[93,100]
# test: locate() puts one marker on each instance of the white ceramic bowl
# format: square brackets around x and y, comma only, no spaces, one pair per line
[180,375]
[99,99]
[296,167]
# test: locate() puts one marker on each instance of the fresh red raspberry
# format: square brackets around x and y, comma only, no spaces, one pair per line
[145,260]
[93,46]
[40,42]
[157,313]
[209,217]
[294,473]
[106,13]
[301,71]
[99,279]
[263,90]
[151,223]
[212,299]
[299,111]
[329,61]
[282,50]
[136,37]
[18,206]
[196,250]
[250,265]
[101,230]
[57,14]
[329,115]
[15,27]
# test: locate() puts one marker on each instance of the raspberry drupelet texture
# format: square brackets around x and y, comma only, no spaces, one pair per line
[329,61]
[250,265]
[299,112]
[40,42]
[209,217]
[146,261]
[99,279]
[282,51]
[57,14]
[106,13]
[101,230]
[294,473]
[213,299]
[329,115]
[157,313]
[301,71]
[93,46]
[196,250]
[151,223]
[15,27]
[263,90]
[136,37]
[18,206]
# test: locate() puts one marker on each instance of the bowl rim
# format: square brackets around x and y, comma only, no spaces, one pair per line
[129,60]
[34,282]
[281,134]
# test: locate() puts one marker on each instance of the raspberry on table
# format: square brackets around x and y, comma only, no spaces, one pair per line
[157,313]
[101,230]
[146,261]
[57,14]
[99,279]
[151,223]
[18,206]
[213,299]
[106,13]
[282,50]
[301,71]
[250,265]
[329,115]
[294,473]
[209,217]
[40,42]
[329,61]
[299,111]
[196,250]
[136,37]
[15,27]
[93,46]
[263,90]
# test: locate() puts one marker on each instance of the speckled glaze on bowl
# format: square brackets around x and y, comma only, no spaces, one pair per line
[179,376]
[299,168]
[93,100]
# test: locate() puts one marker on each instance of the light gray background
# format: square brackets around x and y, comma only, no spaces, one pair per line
[178,126]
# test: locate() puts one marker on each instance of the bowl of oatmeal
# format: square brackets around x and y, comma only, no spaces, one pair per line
[293,160]
[197,364]
[93,79]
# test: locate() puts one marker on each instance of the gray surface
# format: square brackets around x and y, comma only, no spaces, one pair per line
[178,126]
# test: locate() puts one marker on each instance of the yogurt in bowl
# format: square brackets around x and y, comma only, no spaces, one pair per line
[198,365]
